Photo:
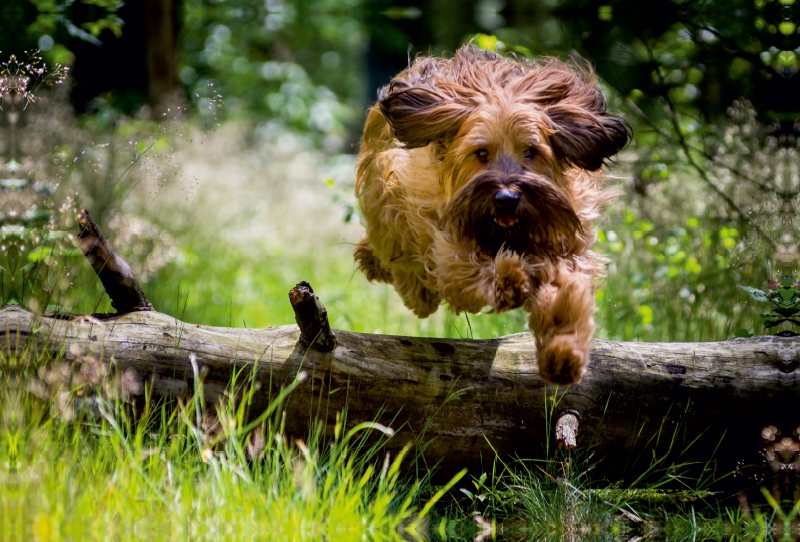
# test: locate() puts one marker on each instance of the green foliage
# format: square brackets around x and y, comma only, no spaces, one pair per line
[49,25]
[672,284]
[785,298]
[98,15]
[299,63]
[699,56]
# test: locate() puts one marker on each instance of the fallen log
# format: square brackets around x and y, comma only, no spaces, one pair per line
[468,398]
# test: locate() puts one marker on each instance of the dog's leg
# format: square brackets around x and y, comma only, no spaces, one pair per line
[369,263]
[506,282]
[562,321]
[416,296]
[469,282]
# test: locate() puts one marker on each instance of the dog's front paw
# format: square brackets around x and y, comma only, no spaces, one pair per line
[511,288]
[562,360]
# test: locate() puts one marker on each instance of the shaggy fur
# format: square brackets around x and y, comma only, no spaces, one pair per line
[478,179]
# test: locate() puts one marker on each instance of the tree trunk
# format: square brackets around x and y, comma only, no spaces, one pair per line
[637,402]
[161,46]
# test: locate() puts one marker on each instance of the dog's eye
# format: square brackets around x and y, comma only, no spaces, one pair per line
[483,155]
[531,153]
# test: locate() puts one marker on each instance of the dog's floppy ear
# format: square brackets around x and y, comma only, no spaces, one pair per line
[418,115]
[586,136]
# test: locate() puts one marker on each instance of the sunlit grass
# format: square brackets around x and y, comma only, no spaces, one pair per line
[249,289]
[99,471]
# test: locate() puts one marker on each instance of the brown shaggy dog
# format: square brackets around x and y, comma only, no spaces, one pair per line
[478,178]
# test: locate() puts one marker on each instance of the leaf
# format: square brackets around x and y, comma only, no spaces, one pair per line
[755,293]
[521,50]
[766,318]
[484,41]
[742,333]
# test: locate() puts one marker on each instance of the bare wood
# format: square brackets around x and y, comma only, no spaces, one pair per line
[114,272]
[480,395]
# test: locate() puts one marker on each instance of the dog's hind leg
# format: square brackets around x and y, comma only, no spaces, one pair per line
[416,296]
[562,321]
[369,263]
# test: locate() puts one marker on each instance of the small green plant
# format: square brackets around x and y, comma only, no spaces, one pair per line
[785,298]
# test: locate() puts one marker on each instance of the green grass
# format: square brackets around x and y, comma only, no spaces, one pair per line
[555,498]
[82,467]
[562,494]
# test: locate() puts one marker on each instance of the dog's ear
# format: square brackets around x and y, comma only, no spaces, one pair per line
[586,137]
[417,115]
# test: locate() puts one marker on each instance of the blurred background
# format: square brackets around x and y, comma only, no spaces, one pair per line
[214,142]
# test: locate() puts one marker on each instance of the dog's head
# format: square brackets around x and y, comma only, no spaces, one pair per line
[505,132]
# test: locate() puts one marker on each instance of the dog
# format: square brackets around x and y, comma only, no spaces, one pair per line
[479,178]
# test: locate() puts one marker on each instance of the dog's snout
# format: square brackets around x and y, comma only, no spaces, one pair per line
[506,200]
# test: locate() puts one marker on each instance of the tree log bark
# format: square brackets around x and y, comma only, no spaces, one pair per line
[472,397]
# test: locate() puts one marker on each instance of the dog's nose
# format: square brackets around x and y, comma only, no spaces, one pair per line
[506,201]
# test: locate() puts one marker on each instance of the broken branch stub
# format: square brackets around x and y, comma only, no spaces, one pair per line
[114,272]
[567,429]
[312,318]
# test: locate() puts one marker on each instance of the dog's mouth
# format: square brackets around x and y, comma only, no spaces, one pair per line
[506,221]
[511,231]
[523,214]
